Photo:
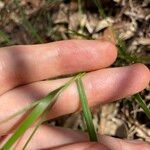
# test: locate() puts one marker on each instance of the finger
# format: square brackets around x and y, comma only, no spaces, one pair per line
[101,86]
[83,146]
[53,137]
[25,64]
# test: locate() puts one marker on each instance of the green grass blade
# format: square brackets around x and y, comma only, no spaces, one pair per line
[121,45]
[37,112]
[26,108]
[53,1]
[86,111]
[33,104]
[32,117]
[46,113]
[7,40]
[123,54]
[142,104]
[80,7]
[127,57]
[32,134]
[43,118]
[100,7]
[27,25]
[144,59]
[79,34]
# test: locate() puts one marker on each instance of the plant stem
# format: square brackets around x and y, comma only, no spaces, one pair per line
[86,111]
[142,104]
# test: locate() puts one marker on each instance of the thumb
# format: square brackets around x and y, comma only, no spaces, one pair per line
[83,146]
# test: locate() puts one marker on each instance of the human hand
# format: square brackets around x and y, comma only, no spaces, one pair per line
[23,69]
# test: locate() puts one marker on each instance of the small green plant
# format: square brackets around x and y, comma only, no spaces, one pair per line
[124,55]
[41,108]
[86,111]
[5,37]
[27,25]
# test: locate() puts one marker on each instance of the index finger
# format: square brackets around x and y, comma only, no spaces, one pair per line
[25,64]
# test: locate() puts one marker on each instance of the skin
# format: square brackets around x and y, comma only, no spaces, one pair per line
[23,72]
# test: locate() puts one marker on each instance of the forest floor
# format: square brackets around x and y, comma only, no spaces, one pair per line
[42,21]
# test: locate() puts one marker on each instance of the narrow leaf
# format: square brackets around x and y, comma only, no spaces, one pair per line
[78,34]
[86,111]
[100,8]
[43,118]
[44,104]
[31,118]
[7,40]
[46,113]
[26,23]
[142,104]
[26,108]
[126,56]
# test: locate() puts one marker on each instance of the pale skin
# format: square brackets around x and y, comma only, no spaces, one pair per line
[23,69]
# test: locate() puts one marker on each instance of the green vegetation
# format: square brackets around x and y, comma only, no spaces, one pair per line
[86,111]
[40,108]
[124,55]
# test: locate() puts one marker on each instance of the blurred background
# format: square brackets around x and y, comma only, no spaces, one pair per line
[42,21]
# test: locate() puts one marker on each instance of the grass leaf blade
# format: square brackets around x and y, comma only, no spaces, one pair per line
[43,118]
[32,117]
[39,109]
[126,56]
[46,113]
[142,104]
[26,108]
[5,37]
[27,25]
[86,111]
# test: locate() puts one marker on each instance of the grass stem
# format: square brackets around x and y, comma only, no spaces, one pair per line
[86,111]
